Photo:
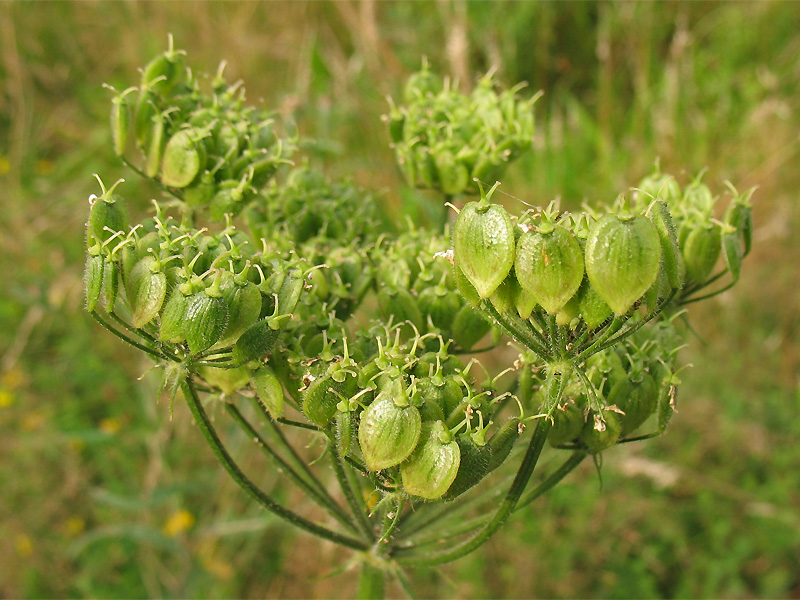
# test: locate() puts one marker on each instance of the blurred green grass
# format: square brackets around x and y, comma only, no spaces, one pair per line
[104,496]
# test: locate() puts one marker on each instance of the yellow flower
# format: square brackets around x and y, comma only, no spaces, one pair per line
[6,398]
[178,522]
[109,426]
[24,545]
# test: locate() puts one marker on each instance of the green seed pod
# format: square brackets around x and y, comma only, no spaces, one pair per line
[269,390]
[465,287]
[469,327]
[111,276]
[256,343]
[605,365]
[431,411]
[702,250]
[473,466]
[444,392]
[452,174]
[182,160]
[623,257]
[502,442]
[505,294]
[345,431]
[660,185]
[322,396]
[227,380]
[524,302]
[483,245]
[173,317]
[433,465]
[290,291]
[165,71]
[206,319]
[549,267]
[399,304]
[146,290]
[567,424]
[93,280]
[441,304]
[155,145]
[671,256]
[420,84]
[666,390]
[636,399]
[145,113]
[388,433]
[732,253]
[569,313]
[106,217]
[739,215]
[121,121]
[600,434]
[244,308]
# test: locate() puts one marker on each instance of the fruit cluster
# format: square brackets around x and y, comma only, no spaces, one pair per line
[444,139]
[298,297]
[206,147]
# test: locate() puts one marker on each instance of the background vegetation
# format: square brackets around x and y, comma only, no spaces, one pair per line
[103,496]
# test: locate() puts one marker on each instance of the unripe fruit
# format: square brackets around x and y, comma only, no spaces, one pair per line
[441,304]
[472,468]
[182,160]
[173,317]
[601,433]
[671,256]
[121,121]
[483,245]
[388,433]
[623,257]
[269,390]
[433,465]
[206,318]
[567,424]
[111,277]
[399,304]
[469,327]
[322,396]
[549,267]
[106,217]
[244,308]
[146,290]
[256,343]
[702,250]
[453,175]
[502,442]
[636,399]
[93,280]
[227,380]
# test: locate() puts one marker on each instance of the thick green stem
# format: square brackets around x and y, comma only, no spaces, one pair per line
[211,437]
[371,582]
[322,499]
